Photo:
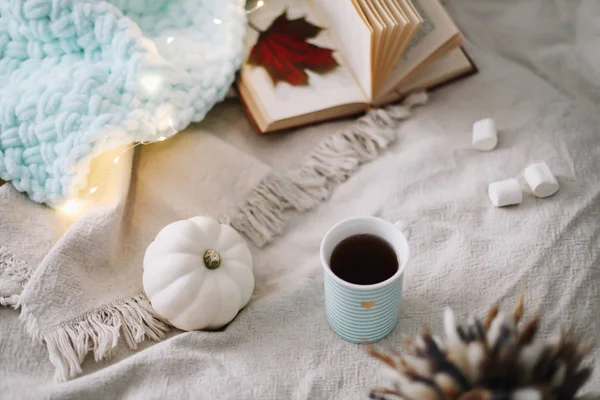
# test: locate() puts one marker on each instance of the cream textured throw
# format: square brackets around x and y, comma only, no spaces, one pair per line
[86,291]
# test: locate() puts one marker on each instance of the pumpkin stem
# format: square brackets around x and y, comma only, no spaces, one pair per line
[212,259]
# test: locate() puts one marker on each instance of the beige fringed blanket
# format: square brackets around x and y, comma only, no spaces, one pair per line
[76,272]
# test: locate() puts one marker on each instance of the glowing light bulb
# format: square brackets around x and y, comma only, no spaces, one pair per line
[116,160]
[260,3]
[170,39]
[217,21]
[70,207]
[93,190]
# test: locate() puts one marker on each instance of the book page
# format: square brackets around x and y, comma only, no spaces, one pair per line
[445,69]
[282,100]
[402,28]
[352,33]
[401,42]
[389,34]
[378,28]
[437,29]
[449,66]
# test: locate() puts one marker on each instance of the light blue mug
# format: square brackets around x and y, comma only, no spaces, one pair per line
[364,313]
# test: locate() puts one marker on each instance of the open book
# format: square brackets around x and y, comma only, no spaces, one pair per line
[379,51]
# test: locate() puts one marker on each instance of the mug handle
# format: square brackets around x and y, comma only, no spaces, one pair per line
[404,228]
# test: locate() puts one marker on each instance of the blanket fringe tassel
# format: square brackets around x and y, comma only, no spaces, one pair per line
[99,331]
[16,270]
[13,301]
[333,161]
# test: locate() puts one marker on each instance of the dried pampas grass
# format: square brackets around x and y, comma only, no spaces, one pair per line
[492,359]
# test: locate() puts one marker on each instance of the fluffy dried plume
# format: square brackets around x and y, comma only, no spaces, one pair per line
[486,359]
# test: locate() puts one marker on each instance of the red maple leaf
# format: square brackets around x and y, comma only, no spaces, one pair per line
[284,52]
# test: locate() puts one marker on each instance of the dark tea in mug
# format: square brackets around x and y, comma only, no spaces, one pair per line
[364,259]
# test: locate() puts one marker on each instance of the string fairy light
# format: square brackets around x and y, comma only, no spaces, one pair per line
[258,5]
[72,206]
[151,83]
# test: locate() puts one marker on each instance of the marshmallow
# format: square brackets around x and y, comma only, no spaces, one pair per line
[540,180]
[485,137]
[505,193]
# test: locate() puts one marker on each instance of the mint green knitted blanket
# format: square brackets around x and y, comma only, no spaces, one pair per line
[80,77]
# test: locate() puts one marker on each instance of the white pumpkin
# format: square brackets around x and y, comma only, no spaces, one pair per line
[198,274]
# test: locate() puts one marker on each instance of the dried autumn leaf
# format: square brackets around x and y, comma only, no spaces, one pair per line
[284,52]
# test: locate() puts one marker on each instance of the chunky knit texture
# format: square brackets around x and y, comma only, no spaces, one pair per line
[79,77]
